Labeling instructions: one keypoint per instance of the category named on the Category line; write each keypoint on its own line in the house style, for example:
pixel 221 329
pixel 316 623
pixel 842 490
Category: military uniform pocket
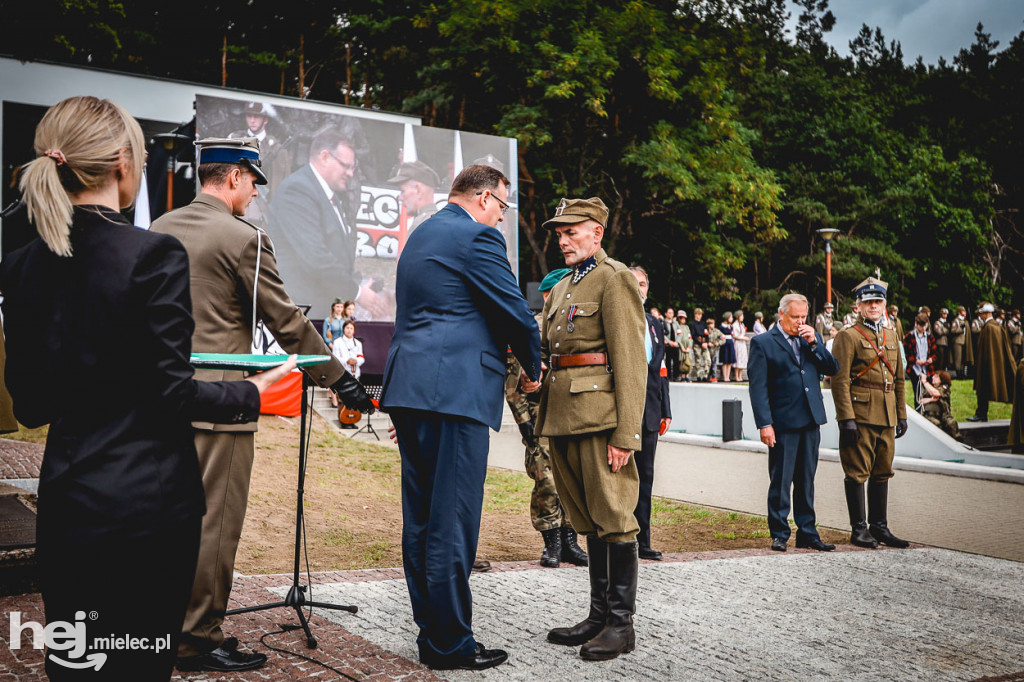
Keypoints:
pixel 861 400
pixel 592 402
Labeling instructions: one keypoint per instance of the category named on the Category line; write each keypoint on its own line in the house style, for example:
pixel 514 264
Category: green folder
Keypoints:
pixel 249 363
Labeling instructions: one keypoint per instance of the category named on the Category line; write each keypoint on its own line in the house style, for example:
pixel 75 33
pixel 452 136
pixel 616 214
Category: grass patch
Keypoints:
pixel 29 435
pixel 964 401
pixel 507 491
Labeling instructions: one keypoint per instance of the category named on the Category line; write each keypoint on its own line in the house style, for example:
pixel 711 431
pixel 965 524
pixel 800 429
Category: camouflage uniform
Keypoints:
pixel 545 508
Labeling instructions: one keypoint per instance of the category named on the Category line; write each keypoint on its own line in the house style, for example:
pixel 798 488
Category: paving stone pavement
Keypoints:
pixel 859 615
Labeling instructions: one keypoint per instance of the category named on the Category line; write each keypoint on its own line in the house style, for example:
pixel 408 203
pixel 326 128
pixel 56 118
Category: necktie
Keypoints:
pixel 795 343
pixel 336 203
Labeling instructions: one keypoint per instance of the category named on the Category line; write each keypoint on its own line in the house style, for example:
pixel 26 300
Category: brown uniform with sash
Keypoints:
pixel 222 251
pixel 593 395
pixel 868 388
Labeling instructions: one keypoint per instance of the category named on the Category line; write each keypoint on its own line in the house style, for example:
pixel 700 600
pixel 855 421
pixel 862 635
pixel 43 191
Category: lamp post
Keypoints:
pixel 172 143
pixel 827 234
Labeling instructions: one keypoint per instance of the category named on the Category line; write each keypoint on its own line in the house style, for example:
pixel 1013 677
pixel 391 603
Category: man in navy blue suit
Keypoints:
pixel 657 417
pixel 785 392
pixel 459 308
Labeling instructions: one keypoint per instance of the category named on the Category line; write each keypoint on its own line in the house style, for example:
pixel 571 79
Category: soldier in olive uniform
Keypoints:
pixel 958 336
pixel 941 331
pixel 870 403
pixel 591 408
pixel 545 508
pixel 1016 333
pixel 823 322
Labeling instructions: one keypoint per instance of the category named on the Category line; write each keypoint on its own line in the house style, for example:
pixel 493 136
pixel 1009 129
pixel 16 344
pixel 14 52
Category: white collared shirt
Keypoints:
pixel 330 194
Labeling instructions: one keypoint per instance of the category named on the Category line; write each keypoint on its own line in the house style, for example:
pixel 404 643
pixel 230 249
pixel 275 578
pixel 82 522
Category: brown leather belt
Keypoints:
pixel 884 388
pixel 578 360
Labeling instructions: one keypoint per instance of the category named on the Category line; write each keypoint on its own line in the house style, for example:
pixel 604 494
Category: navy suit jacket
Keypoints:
pixel 784 393
pixel 657 406
pixel 459 308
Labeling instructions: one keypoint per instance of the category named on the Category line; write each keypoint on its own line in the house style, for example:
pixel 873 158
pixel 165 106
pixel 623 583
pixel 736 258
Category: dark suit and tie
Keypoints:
pixel 656 408
pixel 785 394
pixel 314 234
pixel 459 307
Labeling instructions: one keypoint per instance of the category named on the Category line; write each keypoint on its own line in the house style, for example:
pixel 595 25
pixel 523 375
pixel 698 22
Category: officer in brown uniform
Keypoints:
pixel 870 404
pixel 591 408
pixel 225 254
pixel 546 511
pixel 959 336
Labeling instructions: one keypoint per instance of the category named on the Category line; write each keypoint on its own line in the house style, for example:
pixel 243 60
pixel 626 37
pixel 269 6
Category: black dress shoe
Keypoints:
pixel 650 554
pixel 814 543
pixel 481 566
pixel 778 545
pixel 225 658
pixel 976 418
pixel 480 659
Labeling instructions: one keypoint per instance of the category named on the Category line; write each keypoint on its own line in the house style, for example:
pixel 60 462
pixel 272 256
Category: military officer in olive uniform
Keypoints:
pixel 226 253
pixel 546 511
pixel 823 322
pixel 870 409
pixel 591 408
pixel 941 330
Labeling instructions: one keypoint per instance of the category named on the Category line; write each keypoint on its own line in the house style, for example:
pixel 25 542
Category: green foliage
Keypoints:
pixel 720 142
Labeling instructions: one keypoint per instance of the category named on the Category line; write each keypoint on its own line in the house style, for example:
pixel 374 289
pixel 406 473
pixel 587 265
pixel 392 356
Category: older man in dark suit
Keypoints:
pixel 459 309
pixel 657 417
pixel 785 394
pixel 313 225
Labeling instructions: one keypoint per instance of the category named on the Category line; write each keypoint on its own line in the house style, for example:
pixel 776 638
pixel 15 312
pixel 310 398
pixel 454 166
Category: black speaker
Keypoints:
pixel 732 420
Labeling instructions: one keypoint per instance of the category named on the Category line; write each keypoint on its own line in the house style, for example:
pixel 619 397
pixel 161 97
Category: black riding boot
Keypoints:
pixel 878 502
pixel 617 636
pixel 571 551
pixel 859 536
pixel 585 630
pixel 552 548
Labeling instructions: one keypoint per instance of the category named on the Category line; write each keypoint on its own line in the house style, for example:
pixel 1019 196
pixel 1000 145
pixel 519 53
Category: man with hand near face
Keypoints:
pixel 871 408
pixel 591 409
pixel 785 394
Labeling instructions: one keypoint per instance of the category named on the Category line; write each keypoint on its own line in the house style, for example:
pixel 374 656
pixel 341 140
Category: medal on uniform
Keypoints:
pixel 572 313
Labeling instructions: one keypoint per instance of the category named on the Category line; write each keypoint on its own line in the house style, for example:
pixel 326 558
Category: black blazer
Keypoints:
pixel 315 256
pixel 98 347
pixel 658 406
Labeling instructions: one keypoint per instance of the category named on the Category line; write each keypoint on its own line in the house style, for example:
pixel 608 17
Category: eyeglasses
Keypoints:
pixel 345 166
pixel 504 205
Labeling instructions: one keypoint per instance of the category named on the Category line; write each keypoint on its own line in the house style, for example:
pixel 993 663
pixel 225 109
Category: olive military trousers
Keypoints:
pixel 871 456
pixel 225 461
pixel 595 499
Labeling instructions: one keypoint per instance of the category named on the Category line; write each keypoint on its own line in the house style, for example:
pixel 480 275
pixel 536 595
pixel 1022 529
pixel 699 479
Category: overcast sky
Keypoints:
pixel 929 28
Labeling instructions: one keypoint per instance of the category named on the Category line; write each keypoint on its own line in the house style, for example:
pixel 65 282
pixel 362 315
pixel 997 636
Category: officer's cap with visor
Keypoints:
pixel 871 289
pixel 244 151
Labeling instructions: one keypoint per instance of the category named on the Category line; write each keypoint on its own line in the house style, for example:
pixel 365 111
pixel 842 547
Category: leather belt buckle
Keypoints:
pixel 888 386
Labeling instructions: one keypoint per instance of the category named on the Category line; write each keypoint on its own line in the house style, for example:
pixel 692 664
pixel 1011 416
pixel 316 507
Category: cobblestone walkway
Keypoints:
pixel 860 615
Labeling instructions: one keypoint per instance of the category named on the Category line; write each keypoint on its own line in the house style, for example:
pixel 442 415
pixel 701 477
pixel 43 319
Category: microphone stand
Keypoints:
pixel 296 598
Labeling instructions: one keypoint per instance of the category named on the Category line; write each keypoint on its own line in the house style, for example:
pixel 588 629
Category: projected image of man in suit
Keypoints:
pixel 313 225
pixel 785 394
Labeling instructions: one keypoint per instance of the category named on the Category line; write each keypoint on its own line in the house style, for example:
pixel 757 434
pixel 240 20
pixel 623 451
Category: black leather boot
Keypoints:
pixel 859 536
pixel 585 630
pixel 552 553
pixel 617 636
pixel 878 502
pixel 571 551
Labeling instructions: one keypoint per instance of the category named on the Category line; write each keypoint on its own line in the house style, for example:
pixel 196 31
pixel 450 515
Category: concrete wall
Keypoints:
pixel 697 409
